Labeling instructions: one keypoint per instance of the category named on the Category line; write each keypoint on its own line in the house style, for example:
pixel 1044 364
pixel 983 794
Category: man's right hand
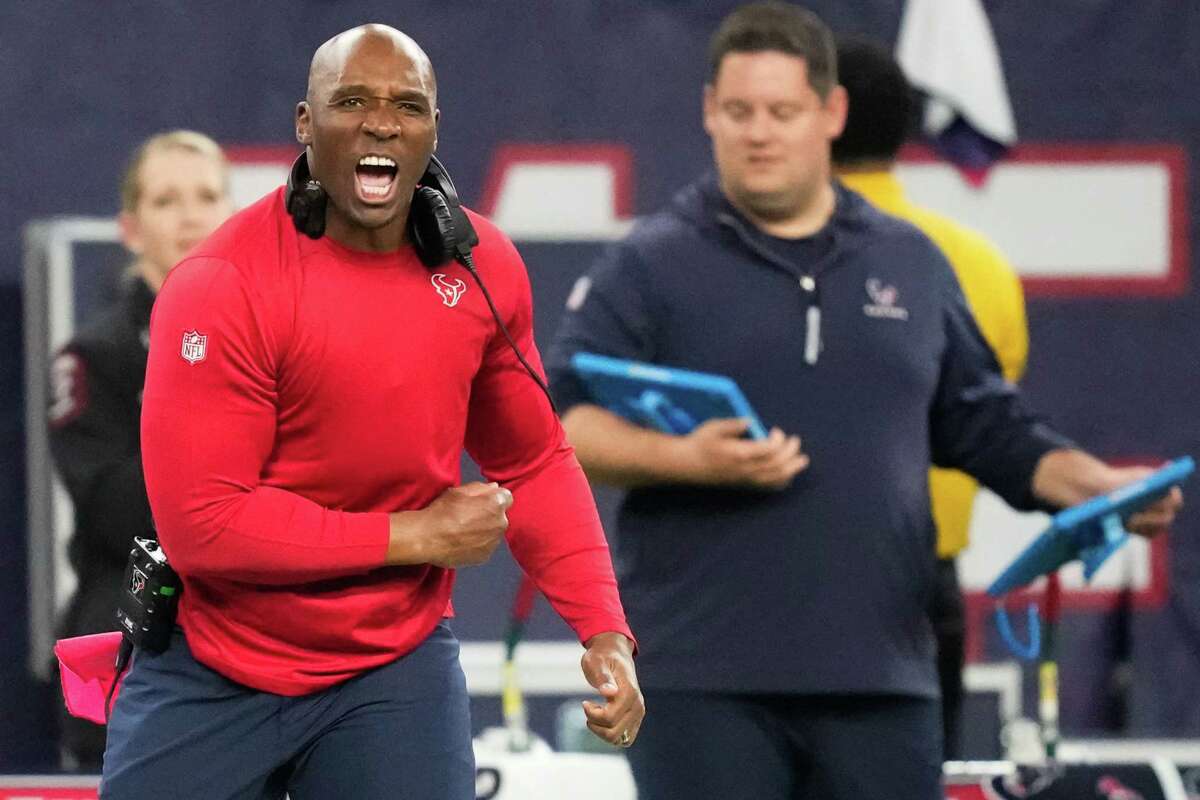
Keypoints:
pixel 716 453
pixel 461 528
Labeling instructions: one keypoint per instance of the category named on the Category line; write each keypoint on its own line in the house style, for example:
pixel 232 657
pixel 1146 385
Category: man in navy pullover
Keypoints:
pixel 780 591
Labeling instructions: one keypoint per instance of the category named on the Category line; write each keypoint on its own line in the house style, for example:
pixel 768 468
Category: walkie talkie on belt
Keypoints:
pixel 150 597
pixel 146 611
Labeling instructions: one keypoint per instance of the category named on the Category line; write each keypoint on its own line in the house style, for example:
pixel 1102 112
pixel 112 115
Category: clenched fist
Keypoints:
pixel 461 528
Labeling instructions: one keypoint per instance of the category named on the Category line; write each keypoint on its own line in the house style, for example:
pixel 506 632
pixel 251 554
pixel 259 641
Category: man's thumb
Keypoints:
pixel 602 678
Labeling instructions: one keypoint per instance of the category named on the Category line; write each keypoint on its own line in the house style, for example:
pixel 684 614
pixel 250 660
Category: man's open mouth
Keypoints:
pixel 375 179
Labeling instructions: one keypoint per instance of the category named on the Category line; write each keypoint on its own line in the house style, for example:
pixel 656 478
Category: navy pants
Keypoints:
pixel 403 730
pixel 786 747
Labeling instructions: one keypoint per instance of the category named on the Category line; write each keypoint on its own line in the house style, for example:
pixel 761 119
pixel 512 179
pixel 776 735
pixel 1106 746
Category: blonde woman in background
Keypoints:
pixel 174 193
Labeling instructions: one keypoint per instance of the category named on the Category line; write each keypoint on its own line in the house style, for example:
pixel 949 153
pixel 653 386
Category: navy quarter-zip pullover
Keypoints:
pixel 859 341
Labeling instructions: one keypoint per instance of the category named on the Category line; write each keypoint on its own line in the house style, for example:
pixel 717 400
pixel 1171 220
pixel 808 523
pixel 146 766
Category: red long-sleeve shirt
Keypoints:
pixel 298 391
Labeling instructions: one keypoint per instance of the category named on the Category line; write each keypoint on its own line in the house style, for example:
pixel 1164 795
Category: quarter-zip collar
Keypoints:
pixel 706 206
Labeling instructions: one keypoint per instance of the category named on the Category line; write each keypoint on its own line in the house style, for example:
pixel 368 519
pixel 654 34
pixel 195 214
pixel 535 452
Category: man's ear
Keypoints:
pixel 837 105
pixel 708 107
pixel 303 124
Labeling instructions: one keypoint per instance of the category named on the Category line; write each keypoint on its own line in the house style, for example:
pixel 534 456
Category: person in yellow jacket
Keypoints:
pixel 881 110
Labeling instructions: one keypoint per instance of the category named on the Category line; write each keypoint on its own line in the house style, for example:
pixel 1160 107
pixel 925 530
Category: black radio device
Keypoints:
pixel 149 598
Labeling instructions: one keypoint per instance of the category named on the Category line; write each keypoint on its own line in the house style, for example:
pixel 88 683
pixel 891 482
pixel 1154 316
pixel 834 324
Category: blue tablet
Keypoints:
pixel 665 398
pixel 1090 531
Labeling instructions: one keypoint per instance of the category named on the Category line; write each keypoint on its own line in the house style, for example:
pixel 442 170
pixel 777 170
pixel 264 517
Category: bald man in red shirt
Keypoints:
pixel 306 403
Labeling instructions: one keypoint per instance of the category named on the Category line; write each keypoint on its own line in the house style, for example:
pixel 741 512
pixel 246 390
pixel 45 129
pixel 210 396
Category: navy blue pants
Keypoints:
pixel 783 747
pixel 403 730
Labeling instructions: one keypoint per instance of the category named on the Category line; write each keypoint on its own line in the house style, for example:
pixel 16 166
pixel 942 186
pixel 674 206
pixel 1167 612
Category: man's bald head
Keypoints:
pixel 329 61
pixel 371 93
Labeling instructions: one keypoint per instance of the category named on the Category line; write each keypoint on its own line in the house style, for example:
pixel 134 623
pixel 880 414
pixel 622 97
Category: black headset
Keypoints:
pixel 438 227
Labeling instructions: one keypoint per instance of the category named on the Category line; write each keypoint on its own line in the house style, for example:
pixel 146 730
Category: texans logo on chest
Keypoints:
pixel 451 290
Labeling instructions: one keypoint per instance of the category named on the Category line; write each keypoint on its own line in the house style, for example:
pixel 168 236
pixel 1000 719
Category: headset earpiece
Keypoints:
pixel 437 225
pixel 431 227
pixel 305 199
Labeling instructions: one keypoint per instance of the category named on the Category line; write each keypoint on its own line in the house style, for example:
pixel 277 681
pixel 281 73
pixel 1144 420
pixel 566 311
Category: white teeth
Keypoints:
pixel 375 190
pixel 376 161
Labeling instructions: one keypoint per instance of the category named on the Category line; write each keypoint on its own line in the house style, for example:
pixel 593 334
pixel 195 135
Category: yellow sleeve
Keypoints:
pixel 1011 343
pixel 993 291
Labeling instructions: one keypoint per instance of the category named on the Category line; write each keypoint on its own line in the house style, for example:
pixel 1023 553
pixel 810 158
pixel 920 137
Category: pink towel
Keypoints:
pixel 87 666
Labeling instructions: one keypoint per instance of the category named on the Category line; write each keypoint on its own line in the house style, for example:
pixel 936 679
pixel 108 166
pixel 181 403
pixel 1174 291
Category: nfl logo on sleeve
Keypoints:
pixel 195 346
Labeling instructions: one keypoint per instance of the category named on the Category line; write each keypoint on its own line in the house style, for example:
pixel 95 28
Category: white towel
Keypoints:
pixel 946 48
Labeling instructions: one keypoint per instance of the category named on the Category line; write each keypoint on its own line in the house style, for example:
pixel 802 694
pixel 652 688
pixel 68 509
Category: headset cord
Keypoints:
pixel 468 262
pixel 123 654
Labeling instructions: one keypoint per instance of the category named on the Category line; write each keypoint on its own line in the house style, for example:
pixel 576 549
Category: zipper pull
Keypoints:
pixel 812 320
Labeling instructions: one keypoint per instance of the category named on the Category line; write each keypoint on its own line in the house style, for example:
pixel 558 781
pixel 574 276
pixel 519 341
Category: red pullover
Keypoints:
pixel 298 391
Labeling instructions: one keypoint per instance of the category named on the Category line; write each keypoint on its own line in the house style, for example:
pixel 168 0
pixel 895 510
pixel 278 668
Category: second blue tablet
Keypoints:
pixel 1090 531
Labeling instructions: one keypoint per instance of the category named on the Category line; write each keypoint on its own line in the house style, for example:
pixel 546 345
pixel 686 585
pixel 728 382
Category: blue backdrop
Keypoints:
pixel 81 83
